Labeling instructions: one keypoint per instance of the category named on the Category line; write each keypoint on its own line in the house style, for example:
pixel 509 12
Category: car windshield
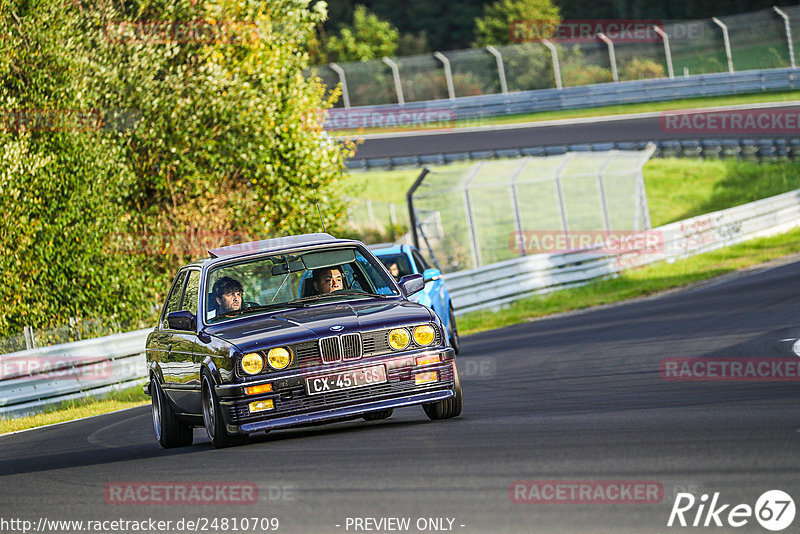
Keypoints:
pixel 293 280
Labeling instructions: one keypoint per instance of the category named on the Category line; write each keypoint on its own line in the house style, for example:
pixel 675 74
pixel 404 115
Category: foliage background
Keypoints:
pixel 198 143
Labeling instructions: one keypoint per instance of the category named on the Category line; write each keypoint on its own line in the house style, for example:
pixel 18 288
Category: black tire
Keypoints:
pixel 213 420
pixel 448 408
pixel 170 430
pixel 377 416
pixel 455 341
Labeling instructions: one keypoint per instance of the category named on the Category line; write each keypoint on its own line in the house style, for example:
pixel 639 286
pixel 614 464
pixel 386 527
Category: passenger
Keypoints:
pixel 328 280
pixel 394 270
pixel 228 295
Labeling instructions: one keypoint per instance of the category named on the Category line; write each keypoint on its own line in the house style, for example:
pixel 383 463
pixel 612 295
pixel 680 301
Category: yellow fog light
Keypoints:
pixel 424 334
pixel 252 363
pixel 426 378
pixel 263 388
pixel 279 358
pixel 260 406
pixel 399 338
pixel 427 360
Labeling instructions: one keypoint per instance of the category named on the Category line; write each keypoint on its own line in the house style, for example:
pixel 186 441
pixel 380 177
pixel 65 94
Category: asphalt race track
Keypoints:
pixel 574 398
pixel 645 127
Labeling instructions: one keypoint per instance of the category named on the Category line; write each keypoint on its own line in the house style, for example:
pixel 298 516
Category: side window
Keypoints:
pixel 192 292
pixel 174 299
pixel 421 263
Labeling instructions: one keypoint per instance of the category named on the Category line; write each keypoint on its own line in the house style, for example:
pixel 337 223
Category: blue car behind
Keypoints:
pixel 409 260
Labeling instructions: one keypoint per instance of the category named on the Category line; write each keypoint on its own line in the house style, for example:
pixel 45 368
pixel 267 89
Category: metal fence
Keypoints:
pixel 493 286
pixel 473 217
pixel 367 214
pixel 763 39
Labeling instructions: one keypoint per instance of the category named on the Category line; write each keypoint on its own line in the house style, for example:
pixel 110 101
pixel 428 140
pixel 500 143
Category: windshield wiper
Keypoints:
pixel 277 306
pixel 340 293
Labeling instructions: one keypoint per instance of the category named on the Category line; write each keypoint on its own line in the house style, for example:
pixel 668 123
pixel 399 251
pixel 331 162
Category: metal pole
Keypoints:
pixel 392 214
pixel 515 207
pixel 501 70
pixel 788 33
pixel 343 80
pixel 556 63
pixel 473 231
pixel 412 217
pixel 562 208
pixel 727 42
pixel 612 56
pixel 602 191
pixel 448 74
pixel 30 341
pixel 667 50
pixel 396 75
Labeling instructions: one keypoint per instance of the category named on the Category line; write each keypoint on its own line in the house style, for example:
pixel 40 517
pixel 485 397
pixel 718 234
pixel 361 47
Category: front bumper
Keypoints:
pixel 293 405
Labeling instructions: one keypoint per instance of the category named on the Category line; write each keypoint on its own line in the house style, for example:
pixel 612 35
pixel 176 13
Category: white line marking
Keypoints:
pixel 564 122
pixel 796 347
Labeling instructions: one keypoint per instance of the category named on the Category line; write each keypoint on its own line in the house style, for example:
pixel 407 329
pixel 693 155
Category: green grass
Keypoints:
pixel 68 411
pixel 624 109
pixel 638 283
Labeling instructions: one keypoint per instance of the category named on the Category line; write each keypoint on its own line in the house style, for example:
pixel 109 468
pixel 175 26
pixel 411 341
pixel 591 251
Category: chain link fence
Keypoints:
pixel 489 212
pixel 757 40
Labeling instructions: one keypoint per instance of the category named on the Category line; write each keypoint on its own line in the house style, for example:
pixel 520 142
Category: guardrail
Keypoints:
pixel 597 95
pixel 502 283
pixel 768 149
pixel 31 380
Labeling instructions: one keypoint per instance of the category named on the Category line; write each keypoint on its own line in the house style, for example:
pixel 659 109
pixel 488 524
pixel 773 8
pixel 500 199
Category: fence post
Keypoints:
pixel 612 56
pixel 515 207
pixel 75 328
pixel 727 42
pixel 30 341
pixel 667 50
pixel 556 63
pixel 471 229
pixel 343 80
pixel 788 27
pixel 562 208
pixel 602 191
pixel 370 213
pixel 501 70
pixel 398 87
pixel 448 74
pixel 412 216
pixel 392 214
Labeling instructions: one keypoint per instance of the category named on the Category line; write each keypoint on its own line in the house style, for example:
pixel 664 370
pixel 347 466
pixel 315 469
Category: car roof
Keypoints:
pixel 275 245
pixel 383 249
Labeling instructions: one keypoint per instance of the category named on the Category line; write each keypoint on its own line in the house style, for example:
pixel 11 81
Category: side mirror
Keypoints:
pixel 412 283
pixel 182 320
pixel 431 274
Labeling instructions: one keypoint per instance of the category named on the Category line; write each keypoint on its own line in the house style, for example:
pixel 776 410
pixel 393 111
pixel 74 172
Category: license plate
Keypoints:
pixel 365 376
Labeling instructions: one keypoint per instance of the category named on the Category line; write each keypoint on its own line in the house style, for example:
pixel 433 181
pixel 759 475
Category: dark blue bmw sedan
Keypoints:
pixel 293 331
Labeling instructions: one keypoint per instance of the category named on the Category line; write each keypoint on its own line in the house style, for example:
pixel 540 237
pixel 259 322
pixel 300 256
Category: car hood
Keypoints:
pixel 300 324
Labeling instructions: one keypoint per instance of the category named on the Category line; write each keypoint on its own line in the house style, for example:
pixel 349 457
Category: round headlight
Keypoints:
pixel 399 338
pixel 424 334
pixel 252 363
pixel 279 358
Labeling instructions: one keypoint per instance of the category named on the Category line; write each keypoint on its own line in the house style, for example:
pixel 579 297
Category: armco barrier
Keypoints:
pixel 501 283
pixel 31 380
pixel 597 95
pixel 770 149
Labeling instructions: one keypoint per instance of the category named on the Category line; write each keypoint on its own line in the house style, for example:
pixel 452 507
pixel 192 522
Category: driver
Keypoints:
pixel 228 295
pixel 328 280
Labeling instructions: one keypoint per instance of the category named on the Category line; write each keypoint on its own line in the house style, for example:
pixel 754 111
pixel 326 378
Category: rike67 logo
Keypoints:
pixel 774 510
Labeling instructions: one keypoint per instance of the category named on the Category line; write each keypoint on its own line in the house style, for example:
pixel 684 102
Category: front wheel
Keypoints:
pixel 455 341
pixel 213 420
pixel 448 408
pixel 170 430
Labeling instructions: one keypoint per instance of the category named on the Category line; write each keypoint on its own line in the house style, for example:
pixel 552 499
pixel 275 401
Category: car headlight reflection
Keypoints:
pixel 252 363
pixel 399 338
pixel 424 335
pixel 279 358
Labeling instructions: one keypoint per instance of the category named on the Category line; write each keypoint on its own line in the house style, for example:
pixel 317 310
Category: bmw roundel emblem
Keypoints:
pixel 337 328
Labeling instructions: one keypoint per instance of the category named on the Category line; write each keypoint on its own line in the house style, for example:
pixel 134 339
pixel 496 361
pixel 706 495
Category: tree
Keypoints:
pixel 368 38
pixel 495 26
